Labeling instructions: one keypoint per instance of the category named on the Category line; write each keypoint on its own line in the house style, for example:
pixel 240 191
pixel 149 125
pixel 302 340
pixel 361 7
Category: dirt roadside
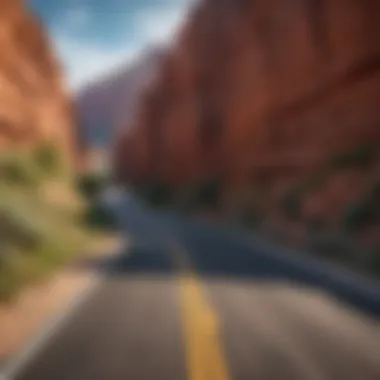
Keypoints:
pixel 21 320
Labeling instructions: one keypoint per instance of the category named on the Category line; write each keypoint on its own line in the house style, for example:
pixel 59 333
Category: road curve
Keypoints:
pixel 190 302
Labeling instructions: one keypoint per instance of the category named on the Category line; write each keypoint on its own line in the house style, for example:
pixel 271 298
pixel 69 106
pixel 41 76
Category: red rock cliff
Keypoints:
pixel 33 104
pixel 257 88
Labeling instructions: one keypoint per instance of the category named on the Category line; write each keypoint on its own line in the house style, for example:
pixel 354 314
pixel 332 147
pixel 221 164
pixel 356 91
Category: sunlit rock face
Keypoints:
pixel 34 105
pixel 259 89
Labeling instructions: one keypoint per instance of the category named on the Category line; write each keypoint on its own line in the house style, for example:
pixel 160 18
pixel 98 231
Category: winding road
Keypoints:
pixel 193 302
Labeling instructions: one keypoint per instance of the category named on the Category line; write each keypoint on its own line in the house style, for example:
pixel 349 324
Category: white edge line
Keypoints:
pixel 36 344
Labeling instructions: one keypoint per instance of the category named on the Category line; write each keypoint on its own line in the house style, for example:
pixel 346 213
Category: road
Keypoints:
pixel 189 301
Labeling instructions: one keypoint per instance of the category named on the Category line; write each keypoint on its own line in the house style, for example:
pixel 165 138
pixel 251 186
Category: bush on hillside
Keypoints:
pixel 155 193
pixel 36 237
pixel 21 241
pixel 48 158
pixel 364 212
pixel 10 280
pixel 17 232
pixel 208 193
pixel 204 196
pixel 250 217
pixel 90 185
pixel 361 214
pixel 100 217
pixel 375 265
pixel 334 246
pixel 19 170
pixel 292 203
pixel 375 192
pixel 362 156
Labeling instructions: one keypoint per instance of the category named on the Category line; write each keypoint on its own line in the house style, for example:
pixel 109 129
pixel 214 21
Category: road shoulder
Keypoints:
pixel 25 320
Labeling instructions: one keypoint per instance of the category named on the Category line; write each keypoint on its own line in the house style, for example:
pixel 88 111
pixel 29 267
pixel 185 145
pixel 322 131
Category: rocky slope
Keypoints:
pixel 110 102
pixel 34 106
pixel 268 95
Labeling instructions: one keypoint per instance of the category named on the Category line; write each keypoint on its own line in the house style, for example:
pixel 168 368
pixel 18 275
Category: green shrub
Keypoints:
pixel 156 193
pixel 365 212
pixel 362 156
pixel 90 185
pixel 375 191
pixel 48 158
pixel 361 214
pixel 250 217
pixel 209 193
pixel 20 243
pixel 35 237
pixel 16 231
pixel 10 280
pixel 99 217
pixel 204 196
pixel 19 170
pixel 333 246
pixel 292 203
pixel 375 265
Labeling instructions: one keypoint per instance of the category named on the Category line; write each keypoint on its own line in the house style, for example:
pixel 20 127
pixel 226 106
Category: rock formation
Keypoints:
pixel 260 90
pixel 34 106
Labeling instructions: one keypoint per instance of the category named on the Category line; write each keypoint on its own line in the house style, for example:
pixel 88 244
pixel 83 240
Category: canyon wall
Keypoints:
pixel 259 90
pixel 34 105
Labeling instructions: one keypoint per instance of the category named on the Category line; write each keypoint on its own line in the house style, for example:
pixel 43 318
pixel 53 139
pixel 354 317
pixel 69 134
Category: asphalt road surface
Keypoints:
pixel 188 301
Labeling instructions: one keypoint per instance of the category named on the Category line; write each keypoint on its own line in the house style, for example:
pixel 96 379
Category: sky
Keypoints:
pixel 93 36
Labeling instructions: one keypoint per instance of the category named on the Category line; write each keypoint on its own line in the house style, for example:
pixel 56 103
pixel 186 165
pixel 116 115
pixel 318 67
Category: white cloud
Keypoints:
pixel 160 25
pixel 83 62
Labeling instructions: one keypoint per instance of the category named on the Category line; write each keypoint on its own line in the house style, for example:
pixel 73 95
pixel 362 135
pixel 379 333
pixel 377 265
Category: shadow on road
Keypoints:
pixel 138 259
pixel 215 253
pixel 225 262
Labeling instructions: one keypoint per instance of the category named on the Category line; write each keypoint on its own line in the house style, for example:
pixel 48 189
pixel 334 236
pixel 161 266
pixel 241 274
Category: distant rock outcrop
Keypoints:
pixel 110 102
pixel 260 89
pixel 34 106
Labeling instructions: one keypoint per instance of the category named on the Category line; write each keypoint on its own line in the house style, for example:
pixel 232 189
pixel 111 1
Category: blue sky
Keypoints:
pixel 93 36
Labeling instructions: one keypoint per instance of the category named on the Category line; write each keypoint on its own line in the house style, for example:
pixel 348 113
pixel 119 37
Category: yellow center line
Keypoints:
pixel 204 350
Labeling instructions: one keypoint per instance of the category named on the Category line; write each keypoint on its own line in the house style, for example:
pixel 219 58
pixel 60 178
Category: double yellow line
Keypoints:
pixel 201 331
